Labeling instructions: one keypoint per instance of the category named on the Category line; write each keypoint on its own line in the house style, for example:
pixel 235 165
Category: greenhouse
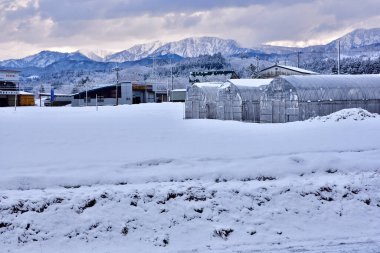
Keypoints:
pixel 293 98
pixel 201 100
pixel 239 99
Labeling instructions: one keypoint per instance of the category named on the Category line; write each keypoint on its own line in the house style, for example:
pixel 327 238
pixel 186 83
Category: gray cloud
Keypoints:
pixel 31 25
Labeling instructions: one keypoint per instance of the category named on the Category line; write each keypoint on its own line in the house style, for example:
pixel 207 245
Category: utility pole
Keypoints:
pixel 298 59
pixel 338 57
pixel 86 96
pixel 257 65
pixel 96 97
pixel 117 69
pixel 171 73
pixel 153 66
pixel 16 96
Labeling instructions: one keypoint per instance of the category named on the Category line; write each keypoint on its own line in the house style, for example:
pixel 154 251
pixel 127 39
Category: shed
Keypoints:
pixel 178 95
pixel 201 100
pixel 239 99
pixel 292 98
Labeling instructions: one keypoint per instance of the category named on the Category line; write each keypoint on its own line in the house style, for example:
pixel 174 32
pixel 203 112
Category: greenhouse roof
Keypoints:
pixel 333 81
pixel 331 87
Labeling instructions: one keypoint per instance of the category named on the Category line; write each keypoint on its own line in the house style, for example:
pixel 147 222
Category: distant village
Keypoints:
pixel 276 94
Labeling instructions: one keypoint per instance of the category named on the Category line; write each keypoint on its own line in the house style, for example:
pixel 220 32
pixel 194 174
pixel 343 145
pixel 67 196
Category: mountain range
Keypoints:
pixel 361 40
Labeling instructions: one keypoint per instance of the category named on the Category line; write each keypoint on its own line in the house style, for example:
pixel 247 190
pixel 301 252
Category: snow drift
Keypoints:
pixel 347 114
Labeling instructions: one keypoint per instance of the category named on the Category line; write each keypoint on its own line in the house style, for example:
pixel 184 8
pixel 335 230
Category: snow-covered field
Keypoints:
pixel 141 179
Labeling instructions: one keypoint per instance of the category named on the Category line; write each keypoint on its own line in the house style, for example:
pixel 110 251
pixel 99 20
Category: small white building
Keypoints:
pixel 178 95
pixel 282 70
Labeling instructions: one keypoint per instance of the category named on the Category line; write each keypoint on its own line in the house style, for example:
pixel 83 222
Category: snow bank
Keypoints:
pixel 346 114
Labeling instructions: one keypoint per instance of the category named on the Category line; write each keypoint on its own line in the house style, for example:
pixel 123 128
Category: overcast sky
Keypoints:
pixel 29 26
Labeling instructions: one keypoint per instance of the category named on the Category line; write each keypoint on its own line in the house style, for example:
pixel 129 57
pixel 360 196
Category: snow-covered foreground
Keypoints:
pixel 141 179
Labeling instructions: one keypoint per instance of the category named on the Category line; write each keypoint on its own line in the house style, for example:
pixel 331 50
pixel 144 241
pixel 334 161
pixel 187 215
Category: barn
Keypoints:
pixel 239 99
pixel 278 70
pixel 293 98
pixel 201 100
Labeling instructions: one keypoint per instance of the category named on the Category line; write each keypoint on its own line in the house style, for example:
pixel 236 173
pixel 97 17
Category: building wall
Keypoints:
pixel 22 100
pixel 9 76
pixel 26 100
pixel 178 96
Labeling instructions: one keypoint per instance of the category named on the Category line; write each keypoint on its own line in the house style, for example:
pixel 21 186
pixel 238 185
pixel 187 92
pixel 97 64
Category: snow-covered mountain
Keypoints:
pixel 193 47
pixel 43 59
pixel 366 40
pixel 358 38
pixel 190 47
pixel 95 55
pixel 135 53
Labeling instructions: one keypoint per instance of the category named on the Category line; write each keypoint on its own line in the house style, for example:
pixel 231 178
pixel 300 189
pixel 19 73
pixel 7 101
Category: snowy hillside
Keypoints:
pixel 135 53
pixel 95 55
pixel 358 38
pixel 193 47
pixel 190 47
pixel 141 179
pixel 43 59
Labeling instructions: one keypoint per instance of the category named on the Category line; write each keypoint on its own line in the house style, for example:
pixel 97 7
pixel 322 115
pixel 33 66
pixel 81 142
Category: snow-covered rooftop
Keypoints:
pixel 299 70
pixel 208 84
pixel 25 93
pixel 250 82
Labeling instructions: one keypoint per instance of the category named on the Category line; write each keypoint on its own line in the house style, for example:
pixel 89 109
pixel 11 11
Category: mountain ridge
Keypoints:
pixel 193 47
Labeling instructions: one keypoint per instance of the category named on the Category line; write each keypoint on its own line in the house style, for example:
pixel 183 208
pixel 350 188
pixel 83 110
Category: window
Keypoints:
pixel 101 99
